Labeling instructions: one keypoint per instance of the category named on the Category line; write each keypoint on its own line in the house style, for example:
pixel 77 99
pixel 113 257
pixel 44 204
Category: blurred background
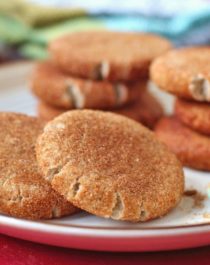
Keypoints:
pixel 27 26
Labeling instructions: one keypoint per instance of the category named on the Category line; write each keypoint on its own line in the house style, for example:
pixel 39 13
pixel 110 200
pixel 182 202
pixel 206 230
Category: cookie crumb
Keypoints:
pixel 190 192
pixel 198 200
pixel 197 197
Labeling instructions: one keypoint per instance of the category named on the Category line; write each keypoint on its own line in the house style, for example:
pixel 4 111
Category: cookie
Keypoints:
pixel 184 72
pixel 146 110
pixel 23 191
pixel 107 55
pixel 195 115
pixel 192 148
pixel 61 90
pixel 109 165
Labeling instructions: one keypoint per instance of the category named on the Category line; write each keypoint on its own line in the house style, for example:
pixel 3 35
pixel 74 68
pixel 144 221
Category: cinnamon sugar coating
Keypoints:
pixel 184 72
pixel 109 165
pixel 146 110
pixel 23 191
pixel 192 148
pixel 107 55
pixel 195 115
pixel 62 90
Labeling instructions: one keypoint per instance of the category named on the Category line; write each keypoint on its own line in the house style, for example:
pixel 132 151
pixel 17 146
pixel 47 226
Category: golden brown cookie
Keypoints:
pixel 64 91
pixel 184 72
pixel 109 165
pixel 107 55
pixel 23 191
pixel 195 115
pixel 192 148
pixel 146 110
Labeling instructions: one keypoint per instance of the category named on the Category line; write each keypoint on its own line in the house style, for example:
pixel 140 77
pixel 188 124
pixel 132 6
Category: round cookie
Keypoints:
pixel 23 191
pixel 146 110
pixel 195 115
pixel 109 165
pixel 107 55
pixel 61 90
pixel 184 72
pixel 192 148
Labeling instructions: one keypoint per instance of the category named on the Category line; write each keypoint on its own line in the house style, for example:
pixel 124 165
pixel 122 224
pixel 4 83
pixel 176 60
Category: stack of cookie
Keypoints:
pixel 99 70
pixel 186 74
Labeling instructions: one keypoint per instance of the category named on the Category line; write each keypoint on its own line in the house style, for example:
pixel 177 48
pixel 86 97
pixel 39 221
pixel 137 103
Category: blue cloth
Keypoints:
pixel 185 29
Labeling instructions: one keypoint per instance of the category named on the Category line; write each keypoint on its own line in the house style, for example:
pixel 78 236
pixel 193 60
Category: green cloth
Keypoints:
pixel 12 30
pixel 35 15
pixel 33 51
pixel 31 27
pixel 45 34
pixel 35 46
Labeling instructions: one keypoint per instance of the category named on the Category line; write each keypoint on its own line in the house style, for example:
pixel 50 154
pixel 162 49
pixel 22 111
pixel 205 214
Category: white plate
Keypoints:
pixel 186 226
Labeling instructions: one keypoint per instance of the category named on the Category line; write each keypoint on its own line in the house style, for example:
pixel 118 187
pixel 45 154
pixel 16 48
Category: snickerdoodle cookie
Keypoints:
pixel 194 114
pixel 23 191
pixel 146 110
pixel 107 55
pixel 184 72
pixel 109 165
pixel 62 90
pixel 192 148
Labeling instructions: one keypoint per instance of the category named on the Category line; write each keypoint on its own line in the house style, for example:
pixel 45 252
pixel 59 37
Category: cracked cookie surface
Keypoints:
pixel 23 191
pixel 184 72
pixel 146 110
pixel 105 55
pixel 62 90
pixel 109 166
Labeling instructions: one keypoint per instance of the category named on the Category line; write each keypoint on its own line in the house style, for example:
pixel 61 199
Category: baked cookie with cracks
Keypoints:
pixel 24 193
pixel 106 55
pixel 109 165
pixel 184 72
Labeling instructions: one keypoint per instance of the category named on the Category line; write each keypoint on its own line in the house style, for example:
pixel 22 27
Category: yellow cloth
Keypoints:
pixel 37 15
